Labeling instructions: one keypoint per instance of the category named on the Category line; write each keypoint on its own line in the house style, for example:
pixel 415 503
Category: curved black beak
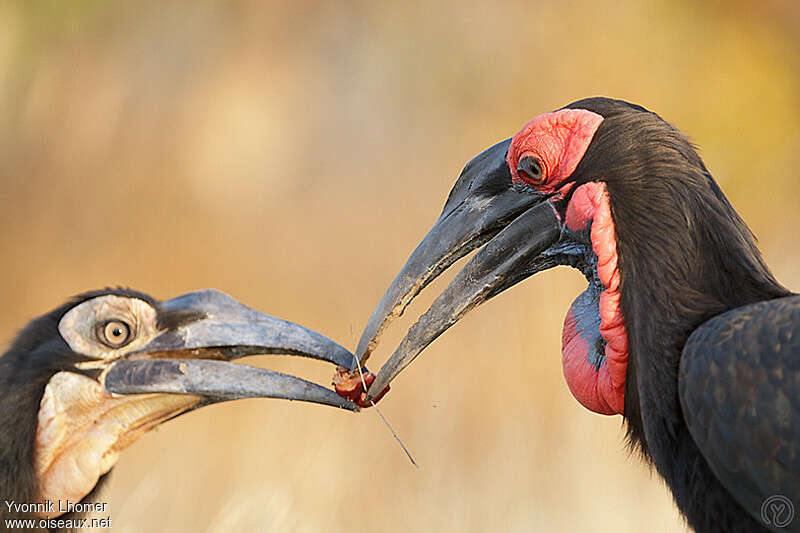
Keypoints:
pixel 202 331
pixel 484 207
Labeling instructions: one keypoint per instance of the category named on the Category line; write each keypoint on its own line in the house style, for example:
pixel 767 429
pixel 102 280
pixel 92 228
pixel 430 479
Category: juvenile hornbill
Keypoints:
pixel 84 381
pixel 682 330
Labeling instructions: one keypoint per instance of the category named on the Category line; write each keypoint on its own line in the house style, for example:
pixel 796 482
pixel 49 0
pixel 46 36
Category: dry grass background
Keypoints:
pixel 292 154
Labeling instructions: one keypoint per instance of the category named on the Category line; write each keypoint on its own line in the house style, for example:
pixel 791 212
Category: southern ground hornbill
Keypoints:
pixel 84 381
pixel 683 330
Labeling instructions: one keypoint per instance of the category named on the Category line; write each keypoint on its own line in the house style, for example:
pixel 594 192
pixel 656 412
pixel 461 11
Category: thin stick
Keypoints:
pixel 396 437
pixel 408 453
pixel 388 425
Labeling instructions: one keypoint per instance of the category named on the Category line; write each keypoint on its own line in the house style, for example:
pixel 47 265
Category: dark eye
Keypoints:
pixel 531 168
pixel 114 333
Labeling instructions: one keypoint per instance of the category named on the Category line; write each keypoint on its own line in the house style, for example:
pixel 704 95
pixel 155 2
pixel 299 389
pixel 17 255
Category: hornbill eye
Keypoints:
pixel 114 333
pixel 531 168
pixel 117 363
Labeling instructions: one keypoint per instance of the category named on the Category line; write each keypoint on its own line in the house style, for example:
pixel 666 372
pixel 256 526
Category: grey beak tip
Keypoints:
pixel 512 224
pixel 216 381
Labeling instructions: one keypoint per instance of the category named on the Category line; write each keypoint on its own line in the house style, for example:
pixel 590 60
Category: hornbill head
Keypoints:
pixel 606 187
pixel 86 380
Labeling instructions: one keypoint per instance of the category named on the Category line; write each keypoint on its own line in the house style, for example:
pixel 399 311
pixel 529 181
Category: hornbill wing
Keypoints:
pixel 739 388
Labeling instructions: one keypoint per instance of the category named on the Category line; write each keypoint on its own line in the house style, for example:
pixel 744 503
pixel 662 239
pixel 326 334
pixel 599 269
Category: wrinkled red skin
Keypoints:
pixel 559 141
pixel 349 386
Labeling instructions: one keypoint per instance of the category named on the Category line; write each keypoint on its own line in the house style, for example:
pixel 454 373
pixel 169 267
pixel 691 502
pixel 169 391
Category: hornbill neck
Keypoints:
pixel 25 370
pixel 615 191
pixel 16 447
pixel 685 256
pixel 18 480
pixel 37 354
pixel 86 380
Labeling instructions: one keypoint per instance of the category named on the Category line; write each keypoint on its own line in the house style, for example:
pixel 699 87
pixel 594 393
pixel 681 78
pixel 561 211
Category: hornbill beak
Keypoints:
pixel 202 332
pixel 515 223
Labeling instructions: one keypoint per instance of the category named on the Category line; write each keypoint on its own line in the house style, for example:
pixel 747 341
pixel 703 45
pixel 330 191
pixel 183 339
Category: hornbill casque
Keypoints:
pixel 84 381
pixel 682 330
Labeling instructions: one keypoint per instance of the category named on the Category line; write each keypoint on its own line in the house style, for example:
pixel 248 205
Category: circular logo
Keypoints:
pixel 777 511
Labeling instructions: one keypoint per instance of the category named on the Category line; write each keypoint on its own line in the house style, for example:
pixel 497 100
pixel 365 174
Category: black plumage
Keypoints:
pixel 685 256
pixel 37 354
pixel 738 383
pixel 84 381
pixel 688 269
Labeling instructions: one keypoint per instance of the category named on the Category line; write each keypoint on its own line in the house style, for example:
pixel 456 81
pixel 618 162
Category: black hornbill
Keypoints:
pixel 84 381
pixel 683 330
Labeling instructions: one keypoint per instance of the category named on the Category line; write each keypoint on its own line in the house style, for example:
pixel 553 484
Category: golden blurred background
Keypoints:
pixel 292 155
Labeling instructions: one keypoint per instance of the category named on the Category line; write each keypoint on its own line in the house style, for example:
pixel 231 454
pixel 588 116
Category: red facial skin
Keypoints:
pixel 559 141
pixel 349 386
pixel 600 390
pixel 587 384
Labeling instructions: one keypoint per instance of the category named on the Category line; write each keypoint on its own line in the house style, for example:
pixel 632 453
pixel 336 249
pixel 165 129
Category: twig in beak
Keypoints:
pixel 396 437
pixel 377 410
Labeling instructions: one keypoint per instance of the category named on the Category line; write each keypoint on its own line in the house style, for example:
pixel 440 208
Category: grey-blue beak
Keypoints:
pixel 201 332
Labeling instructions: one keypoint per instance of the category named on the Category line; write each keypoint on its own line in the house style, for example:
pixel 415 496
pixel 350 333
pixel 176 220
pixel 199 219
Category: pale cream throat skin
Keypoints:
pixel 82 428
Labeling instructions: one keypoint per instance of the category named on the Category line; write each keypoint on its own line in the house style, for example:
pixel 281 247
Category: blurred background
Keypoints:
pixel 292 154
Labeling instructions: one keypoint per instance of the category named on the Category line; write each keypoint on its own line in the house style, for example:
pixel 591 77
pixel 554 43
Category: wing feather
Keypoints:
pixel 739 387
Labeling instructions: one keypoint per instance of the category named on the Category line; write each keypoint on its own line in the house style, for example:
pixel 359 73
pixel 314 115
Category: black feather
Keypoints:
pixel 739 377
pixel 37 354
pixel 685 256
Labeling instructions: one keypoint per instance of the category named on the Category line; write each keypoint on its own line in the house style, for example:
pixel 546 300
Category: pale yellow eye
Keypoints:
pixel 115 333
